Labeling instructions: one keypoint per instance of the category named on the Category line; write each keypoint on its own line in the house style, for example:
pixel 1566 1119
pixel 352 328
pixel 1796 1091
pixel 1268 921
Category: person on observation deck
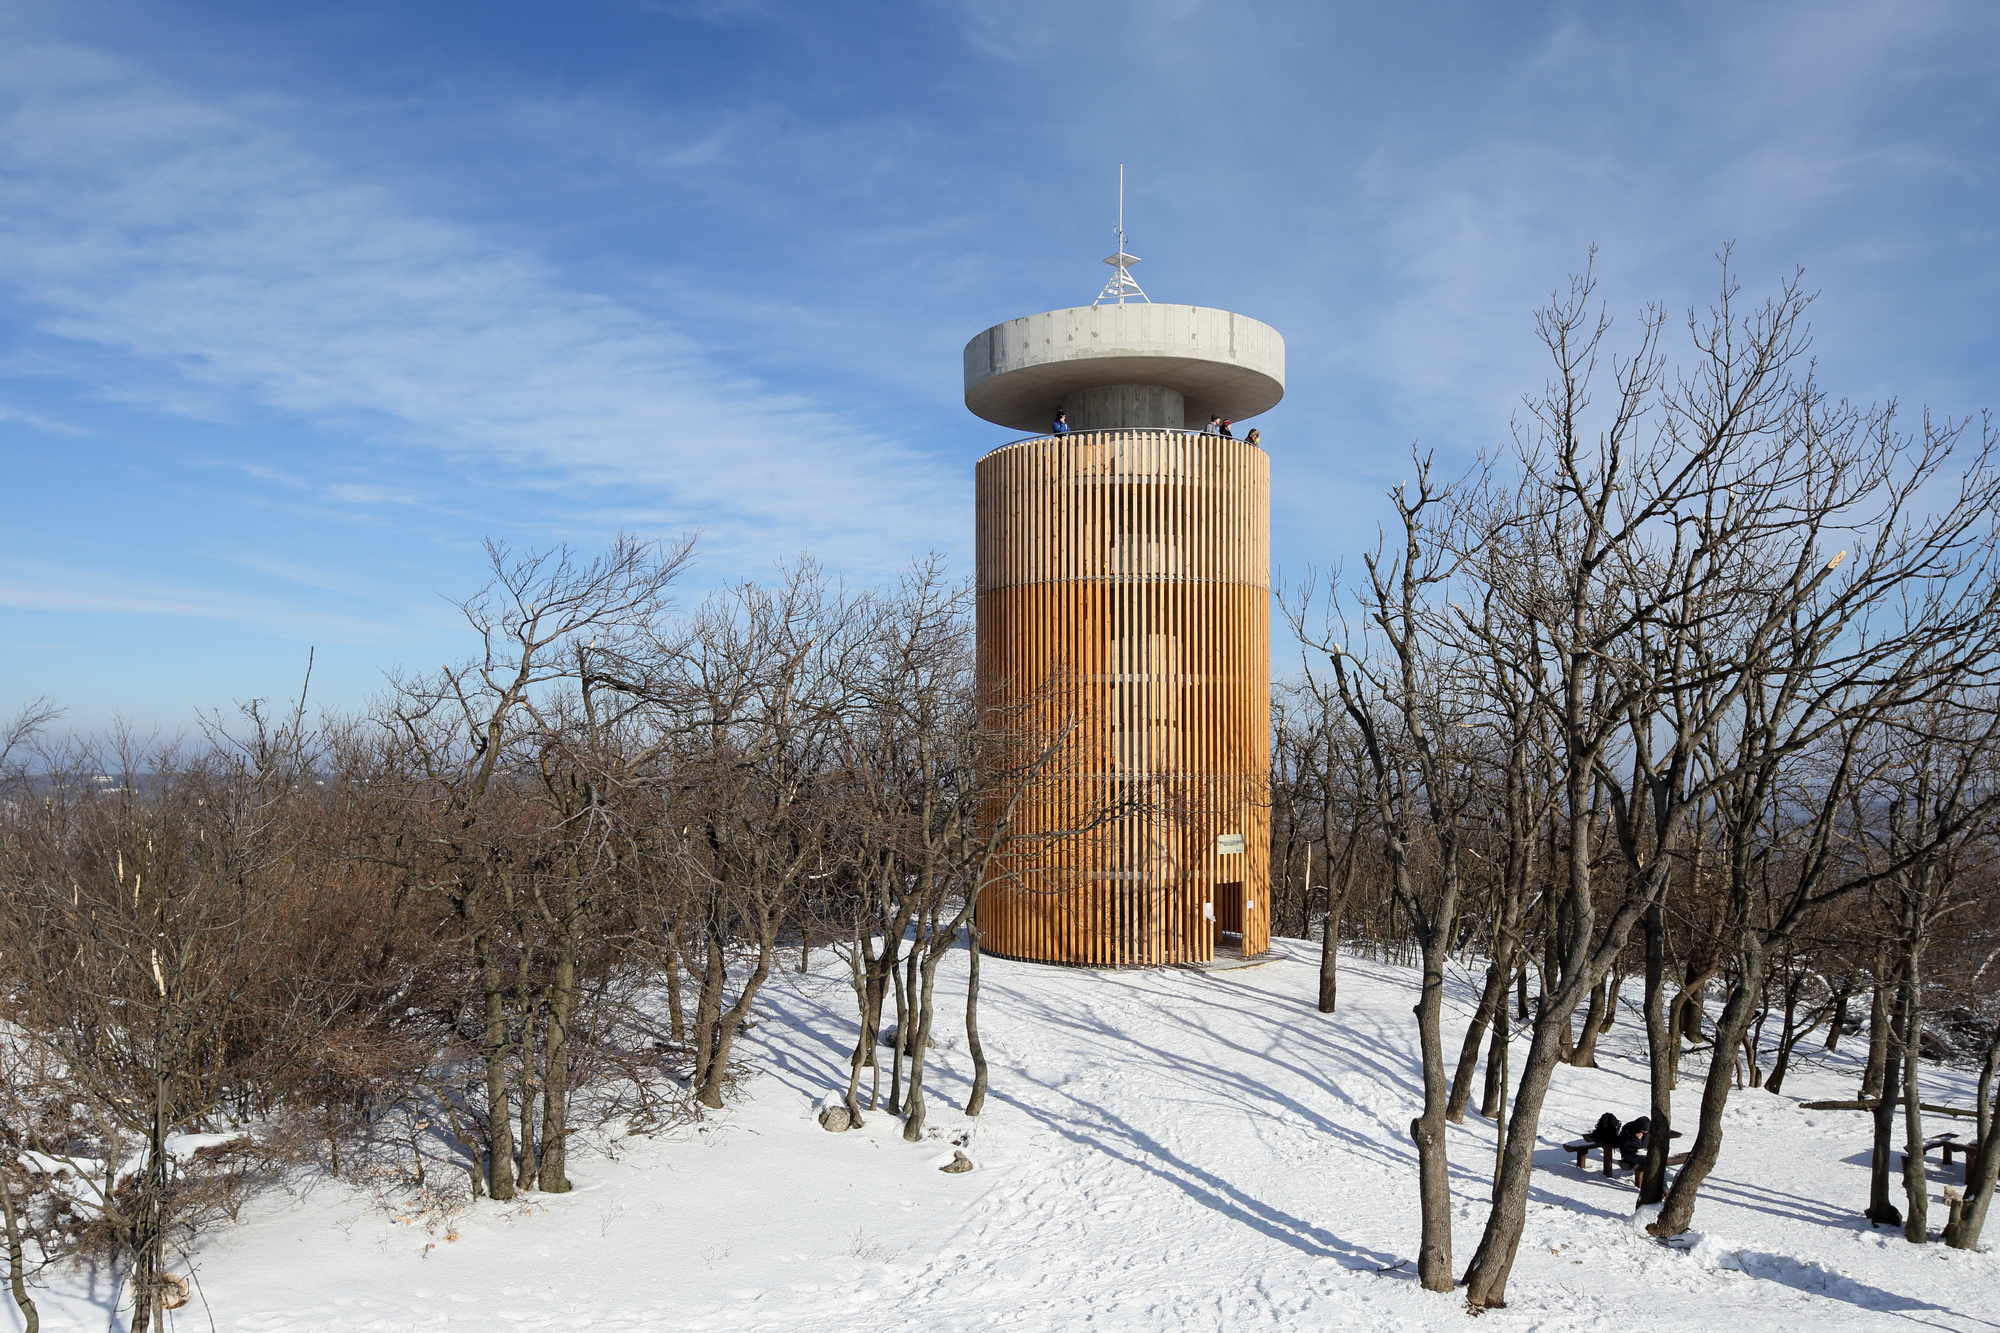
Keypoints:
pixel 1253 437
pixel 1225 431
pixel 1214 426
pixel 1061 426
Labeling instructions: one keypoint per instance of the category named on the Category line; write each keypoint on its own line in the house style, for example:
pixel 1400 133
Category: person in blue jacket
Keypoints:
pixel 1061 426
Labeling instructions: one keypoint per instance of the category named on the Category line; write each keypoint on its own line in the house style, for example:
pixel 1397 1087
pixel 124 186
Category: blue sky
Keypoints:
pixel 298 302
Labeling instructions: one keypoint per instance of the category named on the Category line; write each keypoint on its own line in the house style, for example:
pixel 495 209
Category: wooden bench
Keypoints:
pixel 1584 1147
pixel 1950 1146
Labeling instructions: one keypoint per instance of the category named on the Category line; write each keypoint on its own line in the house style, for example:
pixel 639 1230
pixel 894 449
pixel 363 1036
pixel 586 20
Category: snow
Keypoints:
pixel 180 1147
pixel 1161 1150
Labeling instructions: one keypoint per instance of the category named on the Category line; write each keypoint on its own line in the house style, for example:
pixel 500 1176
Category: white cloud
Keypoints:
pixel 32 586
pixel 36 421
pixel 214 260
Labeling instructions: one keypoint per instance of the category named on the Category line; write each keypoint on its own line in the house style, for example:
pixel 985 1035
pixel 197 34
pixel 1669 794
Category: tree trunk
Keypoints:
pixel 1434 1266
pixel 555 1073
pixel 913 1104
pixel 975 1101
pixel 1980 1173
pixel 1493 1095
pixel 1491 998
pixel 730 1020
pixel 1584 1056
pixel 676 1013
pixel 714 985
pixel 859 975
pixel 1889 1095
pixel 1878 1038
pixel 1329 955
pixel 530 1159
pixel 1660 1063
pixel 499 1129
pixel 1916 1187
pixel 1987 1070
pixel 1486 1278
pixel 1789 1034
pixel 1839 1018
pixel 1730 1028
pixel 905 1014
pixel 31 1319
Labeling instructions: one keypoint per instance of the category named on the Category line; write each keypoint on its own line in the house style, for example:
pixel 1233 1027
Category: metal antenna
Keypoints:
pixel 1122 284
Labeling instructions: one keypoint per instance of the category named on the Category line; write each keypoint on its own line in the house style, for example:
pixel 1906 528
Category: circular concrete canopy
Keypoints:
pixel 1228 365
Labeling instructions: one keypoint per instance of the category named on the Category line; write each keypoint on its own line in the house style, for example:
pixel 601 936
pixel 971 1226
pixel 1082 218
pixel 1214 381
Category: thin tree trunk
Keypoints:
pixel 1730 1028
pixel 1981 1172
pixel 1793 1035
pixel 1916 1187
pixel 1889 1094
pixel 1486 1277
pixel 913 1104
pixel 1491 998
pixel 904 1015
pixel 1839 1018
pixel 975 1102
pixel 730 1020
pixel 1878 1038
pixel 530 1167
pixel 1329 956
pixel 1660 1062
pixel 16 1266
pixel 714 985
pixel 499 1128
pixel 555 1073
pixel 1584 1056
pixel 1434 1265
pixel 1987 1070
pixel 1493 1096
pixel 499 1165
pixel 676 1013
pixel 864 1039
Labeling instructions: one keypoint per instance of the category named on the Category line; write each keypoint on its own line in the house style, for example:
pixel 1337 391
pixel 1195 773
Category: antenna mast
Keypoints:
pixel 1122 284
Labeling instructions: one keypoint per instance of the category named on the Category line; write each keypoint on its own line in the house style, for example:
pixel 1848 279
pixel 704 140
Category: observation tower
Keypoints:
pixel 1124 588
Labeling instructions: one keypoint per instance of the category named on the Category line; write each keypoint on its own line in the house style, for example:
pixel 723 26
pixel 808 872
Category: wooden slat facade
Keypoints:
pixel 1126 574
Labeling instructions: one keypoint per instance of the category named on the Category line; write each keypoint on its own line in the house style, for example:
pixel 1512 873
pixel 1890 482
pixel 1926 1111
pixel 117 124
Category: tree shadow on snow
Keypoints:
pixel 1233 1087
pixel 1818 1280
pixel 1204 1187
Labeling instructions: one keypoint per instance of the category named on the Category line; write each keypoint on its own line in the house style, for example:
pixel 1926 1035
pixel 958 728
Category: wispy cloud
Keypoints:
pixel 36 421
pixel 28 586
pixel 214 259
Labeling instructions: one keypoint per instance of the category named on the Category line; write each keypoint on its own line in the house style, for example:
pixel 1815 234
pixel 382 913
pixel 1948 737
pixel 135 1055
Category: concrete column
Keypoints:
pixel 1126 406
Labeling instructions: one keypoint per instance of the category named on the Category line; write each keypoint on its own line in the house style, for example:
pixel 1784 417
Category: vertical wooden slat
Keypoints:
pixel 1132 566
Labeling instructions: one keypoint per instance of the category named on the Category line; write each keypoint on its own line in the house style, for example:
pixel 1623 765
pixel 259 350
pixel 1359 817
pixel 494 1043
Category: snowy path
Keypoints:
pixel 1161 1150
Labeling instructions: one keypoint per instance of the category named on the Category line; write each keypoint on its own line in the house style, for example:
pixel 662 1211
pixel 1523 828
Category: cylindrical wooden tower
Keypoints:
pixel 1124 603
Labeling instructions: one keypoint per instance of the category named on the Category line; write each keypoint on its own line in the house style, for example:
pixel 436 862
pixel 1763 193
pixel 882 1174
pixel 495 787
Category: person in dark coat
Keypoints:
pixel 1225 432
pixel 1632 1140
pixel 1061 426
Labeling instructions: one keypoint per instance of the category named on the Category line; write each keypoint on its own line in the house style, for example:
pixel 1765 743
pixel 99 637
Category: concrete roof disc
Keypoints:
pixel 1224 364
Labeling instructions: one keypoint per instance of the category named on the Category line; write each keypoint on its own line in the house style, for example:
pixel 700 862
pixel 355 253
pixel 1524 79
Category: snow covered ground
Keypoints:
pixel 1161 1150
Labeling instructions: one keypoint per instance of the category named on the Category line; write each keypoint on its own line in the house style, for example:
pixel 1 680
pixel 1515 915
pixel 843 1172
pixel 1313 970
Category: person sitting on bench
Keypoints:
pixel 1632 1140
